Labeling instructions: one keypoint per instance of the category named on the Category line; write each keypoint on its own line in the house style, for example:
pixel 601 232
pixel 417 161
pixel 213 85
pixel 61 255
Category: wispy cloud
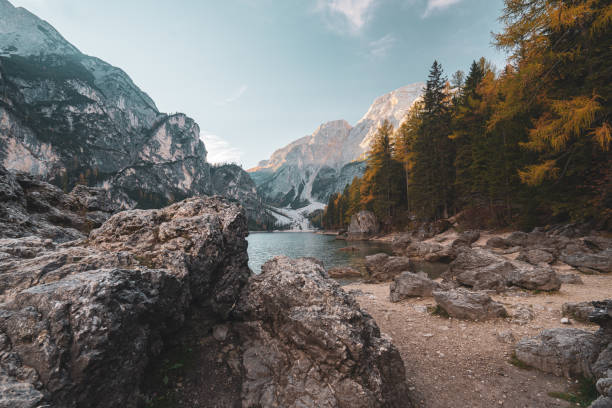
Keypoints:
pixel 380 48
pixel 434 5
pixel 233 97
pixel 346 15
pixel 220 150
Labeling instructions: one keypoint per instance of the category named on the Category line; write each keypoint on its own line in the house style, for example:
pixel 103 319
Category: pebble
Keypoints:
pixel 427 334
pixel 565 320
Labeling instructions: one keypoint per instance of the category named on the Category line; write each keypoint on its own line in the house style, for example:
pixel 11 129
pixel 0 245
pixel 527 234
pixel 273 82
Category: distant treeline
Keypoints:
pixel 525 146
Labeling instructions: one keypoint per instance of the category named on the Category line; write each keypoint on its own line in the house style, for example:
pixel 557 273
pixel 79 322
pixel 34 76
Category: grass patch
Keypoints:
pixel 518 363
pixel 582 394
pixel 437 311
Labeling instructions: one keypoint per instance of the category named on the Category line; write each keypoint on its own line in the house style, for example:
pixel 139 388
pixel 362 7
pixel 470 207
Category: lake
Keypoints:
pixel 265 245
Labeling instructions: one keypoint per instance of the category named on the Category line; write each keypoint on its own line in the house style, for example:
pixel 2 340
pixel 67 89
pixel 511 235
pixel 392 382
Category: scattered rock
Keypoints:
pixel 481 269
pixel 409 284
pixel 579 311
pixel 466 238
pixel 343 272
pixel 563 352
pixel 570 279
pixel 463 304
pixel 383 268
pixel 565 320
pixel 363 225
pixel 220 332
pixel 523 315
pixel 535 278
pixel 536 256
pixel 498 242
pixel 505 336
pixel 601 261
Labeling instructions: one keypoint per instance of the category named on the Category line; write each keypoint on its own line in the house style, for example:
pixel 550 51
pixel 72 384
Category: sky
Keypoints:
pixel 258 74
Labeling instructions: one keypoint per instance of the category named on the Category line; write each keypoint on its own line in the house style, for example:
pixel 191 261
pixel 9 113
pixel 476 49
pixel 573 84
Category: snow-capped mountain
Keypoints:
pixel 73 118
pixel 313 167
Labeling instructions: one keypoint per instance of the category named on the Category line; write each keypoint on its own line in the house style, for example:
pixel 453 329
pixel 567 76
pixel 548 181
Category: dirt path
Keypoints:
pixel 454 363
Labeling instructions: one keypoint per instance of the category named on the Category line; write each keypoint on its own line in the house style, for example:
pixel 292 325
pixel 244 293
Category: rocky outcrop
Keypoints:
pixel 79 322
pixel 409 284
pixel 307 343
pixel 575 352
pixel 383 268
pixel 464 304
pixel 29 206
pixel 363 225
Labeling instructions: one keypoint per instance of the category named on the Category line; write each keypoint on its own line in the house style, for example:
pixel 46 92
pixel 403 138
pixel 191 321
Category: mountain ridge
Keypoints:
pixel 311 168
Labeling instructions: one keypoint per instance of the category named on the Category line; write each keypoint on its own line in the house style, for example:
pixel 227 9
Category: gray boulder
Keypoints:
pixel 363 225
pixel 466 238
pixel 383 268
pixel 570 279
pixel 307 343
pixel 534 278
pixel 563 352
pixel 579 311
pixel 536 256
pixel 600 261
pixel 80 322
pixel 464 304
pixel 480 269
pixel 409 284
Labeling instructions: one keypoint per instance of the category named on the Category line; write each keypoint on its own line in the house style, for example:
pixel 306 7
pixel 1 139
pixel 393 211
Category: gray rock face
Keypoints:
pixel 463 304
pixel 363 225
pixel 536 256
pixel 307 343
pixel 466 238
pixel 71 118
pixel 480 269
pixel 79 322
pixel 409 284
pixel 570 279
pixel 579 311
pixel 562 352
pixel 383 268
pixel 575 352
pixel 600 261
pixel 29 206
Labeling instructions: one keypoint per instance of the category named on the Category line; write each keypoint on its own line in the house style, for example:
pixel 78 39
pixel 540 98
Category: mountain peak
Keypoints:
pixel 24 34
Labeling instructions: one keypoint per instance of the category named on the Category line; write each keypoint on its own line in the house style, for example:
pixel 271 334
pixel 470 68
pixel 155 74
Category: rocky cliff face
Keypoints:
pixel 72 118
pixel 313 167
pixel 81 322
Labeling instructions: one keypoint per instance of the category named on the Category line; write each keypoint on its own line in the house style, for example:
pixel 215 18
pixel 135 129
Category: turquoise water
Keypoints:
pixel 265 245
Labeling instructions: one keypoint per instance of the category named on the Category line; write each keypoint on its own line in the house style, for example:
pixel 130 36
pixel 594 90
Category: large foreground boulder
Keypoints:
pixel 307 344
pixel 80 322
pixel 409 284
pixel 383 268
pixel 464 304
pixel 363 225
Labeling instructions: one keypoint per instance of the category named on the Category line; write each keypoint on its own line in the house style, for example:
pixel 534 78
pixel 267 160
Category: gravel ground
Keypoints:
pixel 456 363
